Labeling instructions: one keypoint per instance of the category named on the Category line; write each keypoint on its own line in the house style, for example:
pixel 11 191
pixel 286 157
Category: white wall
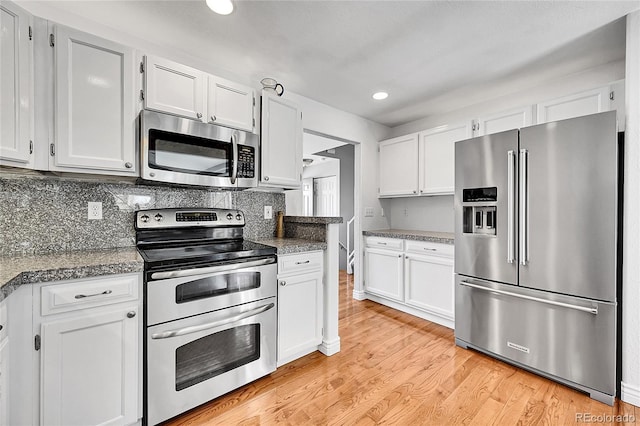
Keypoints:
pixel 631 240
pixel 322 168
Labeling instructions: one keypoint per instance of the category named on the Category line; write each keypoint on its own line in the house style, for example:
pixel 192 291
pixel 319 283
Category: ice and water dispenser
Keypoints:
pixel 479 210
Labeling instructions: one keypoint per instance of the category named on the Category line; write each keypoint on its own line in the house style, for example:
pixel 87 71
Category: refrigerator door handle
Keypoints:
pixel 511 207
pixel 524 207
pixel 592 310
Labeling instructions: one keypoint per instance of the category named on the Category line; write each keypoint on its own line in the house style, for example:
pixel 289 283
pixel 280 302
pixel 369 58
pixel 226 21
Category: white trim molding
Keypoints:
pixel 630 394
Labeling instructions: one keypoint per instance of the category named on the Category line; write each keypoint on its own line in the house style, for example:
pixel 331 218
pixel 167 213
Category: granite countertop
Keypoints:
pixel 19 270
pixel 325 220
pixel 293 245
pixel 407 234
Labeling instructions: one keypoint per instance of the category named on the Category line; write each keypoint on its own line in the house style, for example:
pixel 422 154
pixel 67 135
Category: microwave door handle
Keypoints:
pixel 234 171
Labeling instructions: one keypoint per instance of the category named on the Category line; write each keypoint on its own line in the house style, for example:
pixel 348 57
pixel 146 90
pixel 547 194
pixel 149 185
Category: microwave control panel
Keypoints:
pixel 246 161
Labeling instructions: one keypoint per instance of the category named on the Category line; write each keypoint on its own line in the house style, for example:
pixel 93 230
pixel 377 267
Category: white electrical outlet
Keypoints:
pixel 368 212
pixel 94 210
pixel 268 212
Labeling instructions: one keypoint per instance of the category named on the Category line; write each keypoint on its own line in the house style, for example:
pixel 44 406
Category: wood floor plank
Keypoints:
pixel 397 369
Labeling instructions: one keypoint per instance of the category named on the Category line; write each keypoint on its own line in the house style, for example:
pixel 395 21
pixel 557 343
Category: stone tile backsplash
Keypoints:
pixel 42 214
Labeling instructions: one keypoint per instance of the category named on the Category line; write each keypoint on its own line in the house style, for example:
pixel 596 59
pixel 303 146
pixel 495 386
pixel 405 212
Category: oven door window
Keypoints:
pixel 215 354
pixel 189 154
pixel 217 285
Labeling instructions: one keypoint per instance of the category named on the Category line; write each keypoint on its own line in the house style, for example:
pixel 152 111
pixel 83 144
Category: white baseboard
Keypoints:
pixel 330 348
pixel 630 394
pixel 359 295
pixel 438 319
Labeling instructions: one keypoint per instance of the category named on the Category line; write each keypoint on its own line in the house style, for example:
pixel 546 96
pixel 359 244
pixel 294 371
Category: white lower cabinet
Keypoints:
pixel 300 304
pixel 413 276
pixel 90 354
pixel 4 365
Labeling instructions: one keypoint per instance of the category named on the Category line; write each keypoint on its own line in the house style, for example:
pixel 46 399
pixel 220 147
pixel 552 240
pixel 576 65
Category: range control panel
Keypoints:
pixel 177 218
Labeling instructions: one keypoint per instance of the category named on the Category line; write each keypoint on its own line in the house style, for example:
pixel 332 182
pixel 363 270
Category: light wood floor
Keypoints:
pixel 394 368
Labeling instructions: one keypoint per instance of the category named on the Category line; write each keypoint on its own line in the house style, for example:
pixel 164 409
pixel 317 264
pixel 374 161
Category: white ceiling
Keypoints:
pixel 431 56
pixel 312 144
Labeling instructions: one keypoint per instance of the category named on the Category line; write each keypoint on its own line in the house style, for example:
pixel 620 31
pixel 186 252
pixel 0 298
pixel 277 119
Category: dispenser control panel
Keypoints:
pixel 479 210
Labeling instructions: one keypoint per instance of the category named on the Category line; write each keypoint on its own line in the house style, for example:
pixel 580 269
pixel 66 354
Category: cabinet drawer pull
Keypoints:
pixel 82 296
pixel 381 244
pixel 429 249
pixel 303 263
pixel 213 118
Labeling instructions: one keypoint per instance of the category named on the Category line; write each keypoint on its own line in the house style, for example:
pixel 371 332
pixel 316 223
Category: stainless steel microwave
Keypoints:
pixel 185 151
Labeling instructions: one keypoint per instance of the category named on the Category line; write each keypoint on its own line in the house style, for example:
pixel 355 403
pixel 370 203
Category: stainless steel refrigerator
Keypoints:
pixel 535 249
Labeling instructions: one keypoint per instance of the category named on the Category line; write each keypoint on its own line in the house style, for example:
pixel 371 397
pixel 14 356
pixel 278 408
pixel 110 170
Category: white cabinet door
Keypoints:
pixel 16 54
pixel 299 315
pixel 437 157
pixel 94 104
pixel 281 143
pixel 398 166
pixel 384 273
pixel 89 368
pixel 508 120
pixel 4 381
pixel 429 284
pixel 230 104
pixel 174 88
pixel 583 103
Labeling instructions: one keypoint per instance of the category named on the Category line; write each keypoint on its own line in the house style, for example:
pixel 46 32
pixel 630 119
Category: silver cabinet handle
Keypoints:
pixel 524 206
pixel 266 178
pixel 593 311
pixel 214 324
pixel 213 118
pixel 82 296
pixel 234 171
pixel 381 244
pixel 211 269
pixel 128 165
pixel 511 212
pixel 131 314
pixel 303 263
pixel 283 283
pixel 199 115
pixel 429 249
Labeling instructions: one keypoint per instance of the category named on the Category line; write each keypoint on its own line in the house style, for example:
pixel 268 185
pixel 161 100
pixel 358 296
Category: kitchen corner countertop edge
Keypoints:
pixel 324 220
pixel 406 234
pixel 33 269
pixel 293 245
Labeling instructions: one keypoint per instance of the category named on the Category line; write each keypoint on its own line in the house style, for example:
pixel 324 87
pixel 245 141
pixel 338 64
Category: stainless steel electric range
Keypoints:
pixel 210 304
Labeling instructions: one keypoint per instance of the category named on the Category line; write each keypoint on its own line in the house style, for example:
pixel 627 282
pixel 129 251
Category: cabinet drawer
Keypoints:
pixel 80 294
pixel 435 249
pixel 302 262
pixel 3 320
pixel 384 243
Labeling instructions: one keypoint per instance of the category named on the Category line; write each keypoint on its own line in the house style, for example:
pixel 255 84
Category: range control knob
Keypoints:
pixel 229 216
pixel 238 216
pixel 144 218
pixel 158 217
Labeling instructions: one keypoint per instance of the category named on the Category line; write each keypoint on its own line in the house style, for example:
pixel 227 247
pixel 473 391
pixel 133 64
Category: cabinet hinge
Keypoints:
pixel 30 147
pixel 52 40
pixel 254 101
pixel 142 95
pixel 36 342
pixel 254 122
pixel 300 115
pixel 30 33
pixel 52 150
pixel 474 127
pixel 322 332
pixel 612 95
pixel 378 149
pixel 141 67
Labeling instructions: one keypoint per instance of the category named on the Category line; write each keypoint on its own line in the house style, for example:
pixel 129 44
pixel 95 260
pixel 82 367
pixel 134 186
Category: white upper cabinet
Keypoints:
pixel 230 104
pixel 94 114
pixel 16 54
pixel 583 103
pixel 398 166
pixel 174 88
pixel 281 142
pixel 187 92
pixel 437 158
pixel 508 120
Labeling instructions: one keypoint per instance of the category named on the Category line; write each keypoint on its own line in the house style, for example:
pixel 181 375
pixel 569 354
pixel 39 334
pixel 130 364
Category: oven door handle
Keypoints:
pixel 208 270
pixel 214 324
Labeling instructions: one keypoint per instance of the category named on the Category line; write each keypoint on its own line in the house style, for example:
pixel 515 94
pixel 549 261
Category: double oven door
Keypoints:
pixel 207 334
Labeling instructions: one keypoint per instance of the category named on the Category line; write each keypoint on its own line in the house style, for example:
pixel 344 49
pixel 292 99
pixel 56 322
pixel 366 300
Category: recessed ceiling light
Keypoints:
pixel 222 7
pixel 380 96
